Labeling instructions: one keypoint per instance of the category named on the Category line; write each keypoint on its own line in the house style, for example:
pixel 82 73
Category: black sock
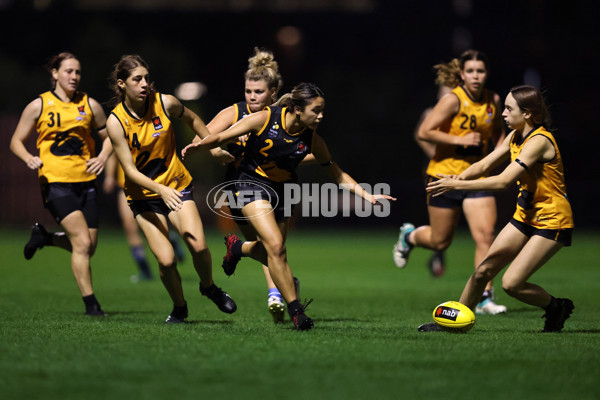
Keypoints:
pixel 294 307
pixel 552 304
pixel 236 248
pixel 90 302
pixel 180 312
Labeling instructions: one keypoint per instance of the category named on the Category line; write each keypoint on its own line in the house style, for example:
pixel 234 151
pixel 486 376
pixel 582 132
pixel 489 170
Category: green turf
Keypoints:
pixel 364 345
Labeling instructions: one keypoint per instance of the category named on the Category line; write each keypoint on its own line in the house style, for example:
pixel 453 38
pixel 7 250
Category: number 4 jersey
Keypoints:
pixel 64 140
pixel 151 140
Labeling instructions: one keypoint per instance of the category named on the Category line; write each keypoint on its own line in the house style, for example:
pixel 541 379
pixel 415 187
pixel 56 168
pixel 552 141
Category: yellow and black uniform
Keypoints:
pixel 472 116
pixel 151 141
pixel 65 145
pixel 270 158
pixel 542 202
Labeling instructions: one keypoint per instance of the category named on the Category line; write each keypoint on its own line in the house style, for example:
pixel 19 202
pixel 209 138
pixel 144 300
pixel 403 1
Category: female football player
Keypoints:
pixel 463 125
pixel 262 82
pixel 157 185
pixel 280 137
pixel 543 221
pixel 67 168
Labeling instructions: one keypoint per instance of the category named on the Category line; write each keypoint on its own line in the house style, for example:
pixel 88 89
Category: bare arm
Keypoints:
pixel 222 121
pixel 537 149
pixel 489 162
pixel 252 123
pixel 96 164
pixel 322 156
pixel 427 147
pixel 24 128
pixel 444 111
pixel 170 196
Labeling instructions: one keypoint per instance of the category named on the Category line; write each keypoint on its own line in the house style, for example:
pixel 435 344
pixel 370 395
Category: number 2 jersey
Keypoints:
pixel 64 139
pixel 272 154
pixel 542 201
pixel 151 141
pixel 472 116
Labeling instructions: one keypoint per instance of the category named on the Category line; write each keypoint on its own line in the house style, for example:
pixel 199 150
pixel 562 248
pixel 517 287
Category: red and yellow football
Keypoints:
pixel 454 315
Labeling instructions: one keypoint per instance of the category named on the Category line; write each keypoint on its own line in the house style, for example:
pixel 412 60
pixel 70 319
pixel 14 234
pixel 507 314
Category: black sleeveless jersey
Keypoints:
pixel 272 154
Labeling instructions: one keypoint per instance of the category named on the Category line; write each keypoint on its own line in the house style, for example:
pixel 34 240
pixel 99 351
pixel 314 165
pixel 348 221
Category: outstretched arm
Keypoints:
pixel 537 149
pixel 252 123
pixel 323 157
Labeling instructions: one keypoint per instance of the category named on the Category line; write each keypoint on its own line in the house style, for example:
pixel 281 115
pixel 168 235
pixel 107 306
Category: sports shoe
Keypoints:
pixel 230 260
pixel 301 321
pixel 178 315
pixel 430 327
pixel 488 306
pixel 95 311
pixel 220 298
pixel 436 264
pixel 276 309
pixel 403 247
pixel 37 240
pixel 557 315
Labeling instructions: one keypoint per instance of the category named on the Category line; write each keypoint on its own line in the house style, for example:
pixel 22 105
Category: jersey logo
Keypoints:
pixel 157 124
pixel 66 145
pixel 81 110
pixel 301 149
pixel 288 140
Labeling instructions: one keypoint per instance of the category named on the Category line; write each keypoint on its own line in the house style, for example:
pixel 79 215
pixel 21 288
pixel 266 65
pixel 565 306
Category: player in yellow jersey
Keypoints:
pixel 543 221
pixel 262 82
pixel 114 178
pixel 157 185
pixel 436 262
pixel 67 167
pixel 464 125
pixel 289 130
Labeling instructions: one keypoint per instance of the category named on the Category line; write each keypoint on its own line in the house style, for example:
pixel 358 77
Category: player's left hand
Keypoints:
pixel 95 165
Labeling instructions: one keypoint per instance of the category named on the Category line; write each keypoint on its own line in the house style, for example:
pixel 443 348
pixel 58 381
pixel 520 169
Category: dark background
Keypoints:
pixel 373 59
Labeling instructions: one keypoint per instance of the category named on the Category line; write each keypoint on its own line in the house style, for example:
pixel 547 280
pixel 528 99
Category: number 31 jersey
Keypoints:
pixel 64 139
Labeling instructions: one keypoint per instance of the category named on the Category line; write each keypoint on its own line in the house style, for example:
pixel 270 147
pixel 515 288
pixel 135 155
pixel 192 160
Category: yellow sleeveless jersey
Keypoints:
pixel 472 116
pixel 64 139
pixel 542 201
pixel 151 141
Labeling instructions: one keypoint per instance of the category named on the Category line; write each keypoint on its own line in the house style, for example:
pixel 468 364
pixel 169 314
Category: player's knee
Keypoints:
pixel 165 259
pixel 483 274
pixel 441 245
pixel 276 249
pixel 81 244
pixel 511 286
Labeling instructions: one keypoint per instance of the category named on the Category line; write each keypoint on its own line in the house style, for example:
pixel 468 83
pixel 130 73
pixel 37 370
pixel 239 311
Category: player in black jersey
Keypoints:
pixel 280 137
pixel 262 82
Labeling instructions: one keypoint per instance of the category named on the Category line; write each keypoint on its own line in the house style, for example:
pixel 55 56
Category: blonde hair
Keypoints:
pixel 262 66
pixel 448 74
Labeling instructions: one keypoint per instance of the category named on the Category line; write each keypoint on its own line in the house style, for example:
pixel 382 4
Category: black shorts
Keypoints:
pixel 63 198
pixel 248 190
pixel 157 205
pixel 563 236
pixel 454 198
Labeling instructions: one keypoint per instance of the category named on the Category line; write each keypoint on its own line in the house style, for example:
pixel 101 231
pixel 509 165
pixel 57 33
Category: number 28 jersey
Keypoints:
pixel 477 116
pixel 272 154
pixel 64 139
pixel 151 141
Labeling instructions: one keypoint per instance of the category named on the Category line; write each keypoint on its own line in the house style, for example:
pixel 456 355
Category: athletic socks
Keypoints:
pixel 139 255
pixel 274 293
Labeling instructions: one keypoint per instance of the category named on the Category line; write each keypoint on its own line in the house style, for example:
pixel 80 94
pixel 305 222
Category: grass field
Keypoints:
pixel 364 345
